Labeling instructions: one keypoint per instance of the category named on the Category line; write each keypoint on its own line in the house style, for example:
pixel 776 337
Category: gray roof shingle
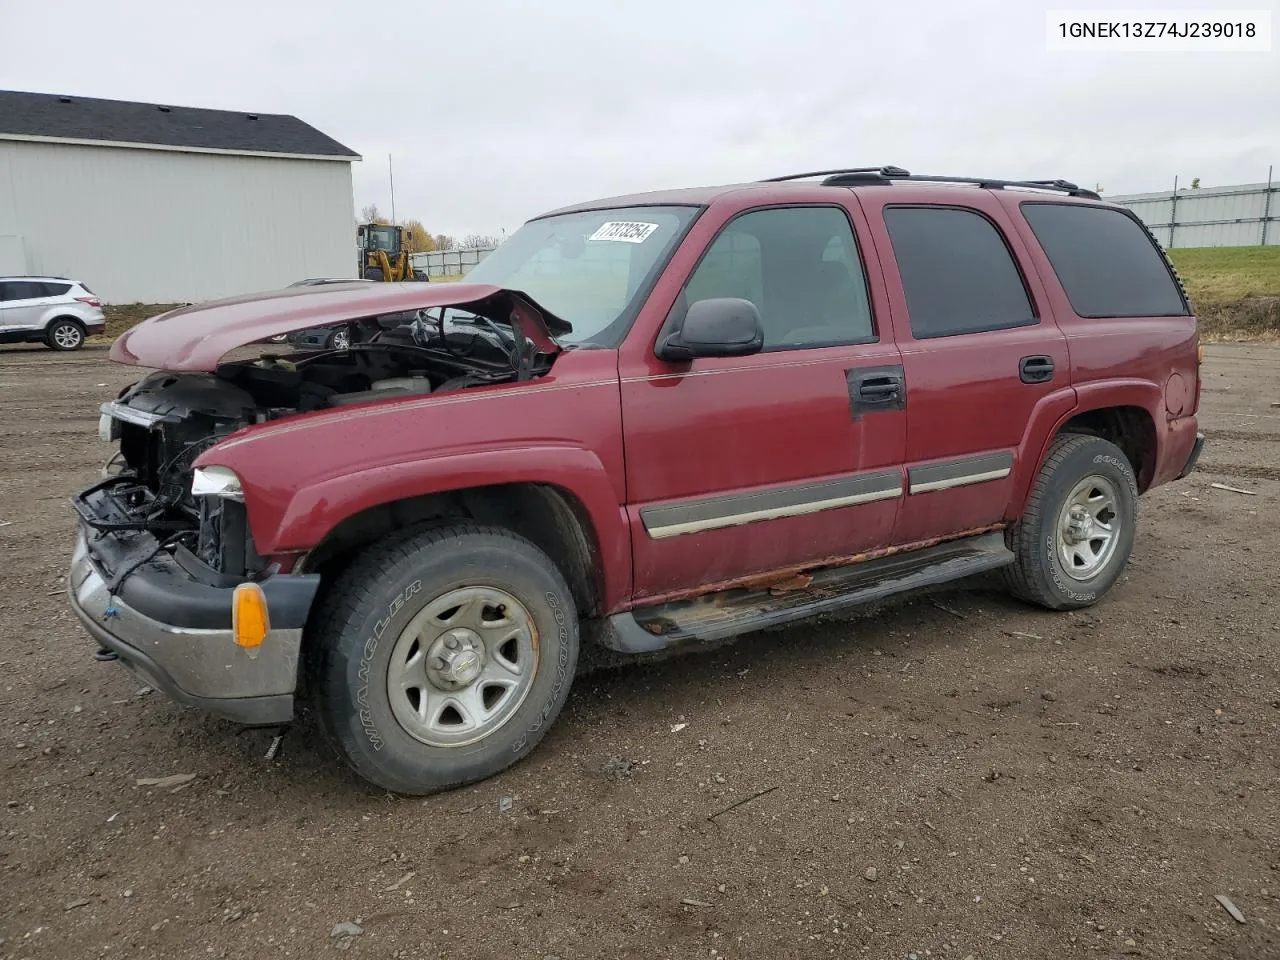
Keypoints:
pixel 124 121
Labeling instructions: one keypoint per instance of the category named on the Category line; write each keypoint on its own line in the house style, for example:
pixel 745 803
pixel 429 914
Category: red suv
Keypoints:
pixel 649 421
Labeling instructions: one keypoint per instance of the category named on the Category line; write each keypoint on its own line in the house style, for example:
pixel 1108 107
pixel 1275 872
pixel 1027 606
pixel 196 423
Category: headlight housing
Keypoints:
pixel 216 482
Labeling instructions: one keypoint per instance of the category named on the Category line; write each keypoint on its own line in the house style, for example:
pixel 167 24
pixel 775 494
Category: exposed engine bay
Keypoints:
pixel 166 420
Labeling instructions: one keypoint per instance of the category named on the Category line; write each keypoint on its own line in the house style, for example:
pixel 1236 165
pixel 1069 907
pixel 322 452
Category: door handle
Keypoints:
pixel 1035 369
pixel 876 390
pixel 879 390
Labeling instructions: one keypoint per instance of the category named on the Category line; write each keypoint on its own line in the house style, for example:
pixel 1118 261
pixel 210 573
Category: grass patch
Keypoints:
pixel 122 316
pixel 1214 275
pixel 1253 318
pixel 1235 291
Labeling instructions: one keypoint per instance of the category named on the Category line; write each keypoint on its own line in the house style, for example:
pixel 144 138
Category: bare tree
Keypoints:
pixel 479 241
pixel 445 242
pixel 369 214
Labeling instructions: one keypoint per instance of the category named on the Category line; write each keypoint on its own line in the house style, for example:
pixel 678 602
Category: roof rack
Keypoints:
pixel 857 176
pixel 885 172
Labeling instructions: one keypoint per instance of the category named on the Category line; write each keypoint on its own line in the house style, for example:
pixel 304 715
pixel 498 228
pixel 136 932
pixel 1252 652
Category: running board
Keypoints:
pixel 717 616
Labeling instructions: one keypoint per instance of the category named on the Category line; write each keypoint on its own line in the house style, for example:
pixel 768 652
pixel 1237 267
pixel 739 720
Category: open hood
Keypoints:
pixel 197 337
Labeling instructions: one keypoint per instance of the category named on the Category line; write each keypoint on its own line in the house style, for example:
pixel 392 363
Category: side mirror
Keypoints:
pixel 721 327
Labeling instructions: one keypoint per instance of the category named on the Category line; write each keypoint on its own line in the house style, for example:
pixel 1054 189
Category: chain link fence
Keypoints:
pixel 449 263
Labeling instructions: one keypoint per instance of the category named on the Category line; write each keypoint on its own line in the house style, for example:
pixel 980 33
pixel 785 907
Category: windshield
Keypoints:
pixel 592 269
pixel 383 238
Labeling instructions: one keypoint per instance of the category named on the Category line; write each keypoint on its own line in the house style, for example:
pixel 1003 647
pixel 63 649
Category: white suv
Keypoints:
pixel 50 310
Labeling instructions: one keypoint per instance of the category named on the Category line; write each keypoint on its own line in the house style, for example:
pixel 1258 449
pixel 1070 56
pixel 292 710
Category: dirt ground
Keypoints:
pixel 1022 784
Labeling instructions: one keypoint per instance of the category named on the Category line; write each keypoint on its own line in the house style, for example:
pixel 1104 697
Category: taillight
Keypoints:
pixel 91 301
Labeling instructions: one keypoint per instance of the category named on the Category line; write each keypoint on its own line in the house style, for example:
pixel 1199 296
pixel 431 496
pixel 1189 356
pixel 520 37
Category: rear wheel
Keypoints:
pixel 65 334
pixel 442 657
pixel 1075 536
pixel 373 273
pixel 340 339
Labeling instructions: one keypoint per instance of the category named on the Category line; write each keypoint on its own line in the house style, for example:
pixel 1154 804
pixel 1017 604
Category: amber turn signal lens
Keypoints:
pixel 1200 354
pixel 249 620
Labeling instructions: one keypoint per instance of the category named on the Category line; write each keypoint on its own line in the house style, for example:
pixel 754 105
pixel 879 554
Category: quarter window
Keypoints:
pixel 801 269
pixel 1107 264
pixel 957 272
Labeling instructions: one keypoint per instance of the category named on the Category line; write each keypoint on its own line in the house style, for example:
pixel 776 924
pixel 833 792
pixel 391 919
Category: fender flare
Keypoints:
pixel 314 510
pixel 1054 410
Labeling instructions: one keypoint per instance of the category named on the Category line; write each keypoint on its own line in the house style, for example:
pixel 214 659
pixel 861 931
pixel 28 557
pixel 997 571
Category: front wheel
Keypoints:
pixel 442 657
pixel 1076 533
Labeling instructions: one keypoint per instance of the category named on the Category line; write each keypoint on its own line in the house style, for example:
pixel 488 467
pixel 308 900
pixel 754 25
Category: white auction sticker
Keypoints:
pixel 624 231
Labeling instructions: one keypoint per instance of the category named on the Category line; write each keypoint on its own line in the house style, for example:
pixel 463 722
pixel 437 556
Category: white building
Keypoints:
pixel 151 203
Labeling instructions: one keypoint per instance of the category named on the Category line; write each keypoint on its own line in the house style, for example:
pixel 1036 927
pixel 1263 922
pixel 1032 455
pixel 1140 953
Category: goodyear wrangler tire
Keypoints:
pixel 1074 538
pixel 442 657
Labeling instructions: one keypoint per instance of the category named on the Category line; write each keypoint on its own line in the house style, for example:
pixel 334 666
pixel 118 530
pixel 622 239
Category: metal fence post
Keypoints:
pixel 1266 206
pixel 1173 212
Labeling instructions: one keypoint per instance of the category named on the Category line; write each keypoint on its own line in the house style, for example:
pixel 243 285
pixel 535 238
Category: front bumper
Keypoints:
pixel 191 654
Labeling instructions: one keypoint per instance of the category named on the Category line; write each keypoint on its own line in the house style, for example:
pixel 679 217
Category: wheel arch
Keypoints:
pixel 70 318
pixel 1118 410
pixel 1129 427
pixel 551 517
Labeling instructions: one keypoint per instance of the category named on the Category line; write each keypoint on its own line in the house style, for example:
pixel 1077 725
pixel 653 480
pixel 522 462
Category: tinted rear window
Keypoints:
pixel 956 271
pixel 56 289
pixel 23 290
pixel 1106 262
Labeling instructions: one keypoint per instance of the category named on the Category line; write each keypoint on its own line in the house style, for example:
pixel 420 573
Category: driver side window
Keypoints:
pixel 800 267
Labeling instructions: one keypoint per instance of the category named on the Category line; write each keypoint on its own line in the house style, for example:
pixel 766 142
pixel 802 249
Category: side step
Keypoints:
pixel 717 616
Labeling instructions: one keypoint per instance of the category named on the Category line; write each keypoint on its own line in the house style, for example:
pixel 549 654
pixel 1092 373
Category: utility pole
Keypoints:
pixel 391 174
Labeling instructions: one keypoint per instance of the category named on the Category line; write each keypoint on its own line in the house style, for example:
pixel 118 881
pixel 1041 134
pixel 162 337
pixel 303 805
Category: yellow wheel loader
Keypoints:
pixel 383 253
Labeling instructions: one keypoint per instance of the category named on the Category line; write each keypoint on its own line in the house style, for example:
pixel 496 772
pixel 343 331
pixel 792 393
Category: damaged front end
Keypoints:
pixel 165 566
pixel 158 568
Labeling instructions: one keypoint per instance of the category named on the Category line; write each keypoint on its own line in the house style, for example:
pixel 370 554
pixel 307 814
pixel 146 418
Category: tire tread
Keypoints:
pixel 340 611
pixel 1023 577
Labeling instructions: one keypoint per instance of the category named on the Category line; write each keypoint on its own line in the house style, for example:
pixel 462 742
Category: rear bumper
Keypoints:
pixel 1194 456
pixel 201 666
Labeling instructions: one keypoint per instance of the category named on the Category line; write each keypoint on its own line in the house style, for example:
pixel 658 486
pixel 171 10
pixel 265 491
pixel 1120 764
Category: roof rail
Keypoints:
pixel 885 172
pixel 852 178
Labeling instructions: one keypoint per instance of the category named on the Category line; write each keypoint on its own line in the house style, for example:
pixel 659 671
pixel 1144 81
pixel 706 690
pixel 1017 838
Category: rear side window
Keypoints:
pixel 1106 263
pixel 55 289
pixel 23 290
pixel 957 272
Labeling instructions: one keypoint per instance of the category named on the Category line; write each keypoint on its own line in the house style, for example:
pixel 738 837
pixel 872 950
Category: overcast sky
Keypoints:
pixel 495 110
